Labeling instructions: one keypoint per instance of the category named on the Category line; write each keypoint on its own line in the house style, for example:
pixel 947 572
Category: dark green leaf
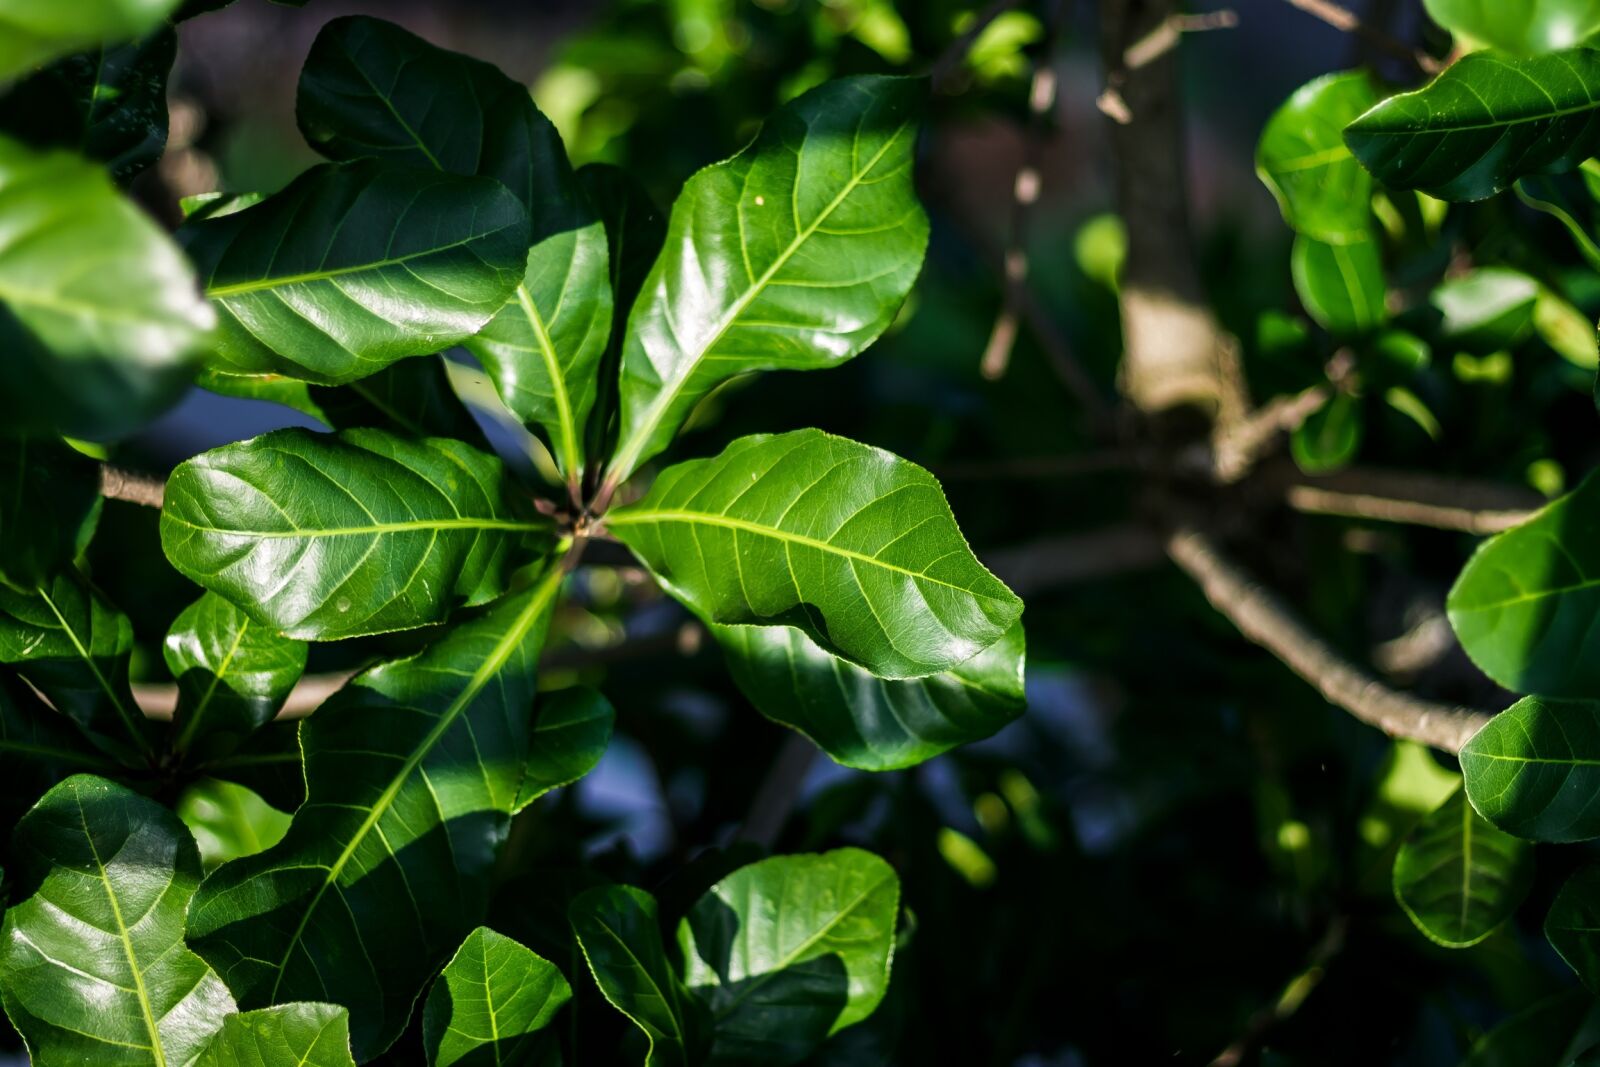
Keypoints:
pixel 1523 28
pixel 412 397
pixel 93 352
pixel 38 747
pixel 1341 285
pixel 795 254
pixel 267 763
pixel 323 537
pixel 1525 606
pixel 273 388
pixel 790 950
pixel 1573 925
pixel 571 730
pixel 1321 189
pixel 853 545
pixel 34 31
pixel 93 968
pixel 1488 120
pixel 1569 203
pixel 109 104
pixel 233 675
pixel 1534 769
pixel 355 266
pixel 74 647
pixel 369 88
pixel 490 1002
pixel 1330 437
pixel 1459 877
pixel 49 504
pixel 1548 1034
pixel 868 722
pixel 229 821
pixel 620 934
pixel 412 772
pixel 1486 310
pixel 291 1035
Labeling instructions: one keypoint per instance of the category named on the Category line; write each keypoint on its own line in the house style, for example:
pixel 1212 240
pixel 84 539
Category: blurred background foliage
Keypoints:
pixel 1181 854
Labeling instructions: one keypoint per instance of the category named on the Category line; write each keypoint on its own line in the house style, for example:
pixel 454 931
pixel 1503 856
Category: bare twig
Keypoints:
pixel 775 799
pixel 948 65
pixel 1237 447
pixel 1415 499
pixel 1342 18
pixel 119 484
pixel 1294 994
pixel 1079 557
pixel 160 700
pixel 1263 617
pixel 1164 38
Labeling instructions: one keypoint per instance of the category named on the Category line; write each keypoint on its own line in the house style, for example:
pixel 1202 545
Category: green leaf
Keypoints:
pixel 267 763
pixel 49 505
pixel 490 1002
pixel 110 104
pixel 1535 768
pixel 1488 120
pixel 1330 437
pixel 1573 925
pixel 571 730
pixel 290 1035
pixel 229 821
pixel 34 31
pixel 1569 203
pixel 1486 310
pixel 1321 189
pixel 1523 28
pixel 272 388
pixel 411 397
pixel 411 772
pixel 867 722
pixel 853 545
pixel 1341 285
pixel 38 747
pixel 1547 1034
pixel 233 675
pixel 790 950
pixel 72 646
pixel 93 968
pixel 1525 606
pixel 92 352
pixel 1458 877
pixel 620 935
pixel 329 536
pixel 1565 329
pixel 795 254
pixel 369 88
pixel 355 266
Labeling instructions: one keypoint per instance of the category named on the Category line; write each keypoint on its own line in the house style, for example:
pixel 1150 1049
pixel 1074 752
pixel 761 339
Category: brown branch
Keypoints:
pixel 1414 499
pixel 1079 557
pixel 119 484
pixel 1164 38
pixel 1266 619
pixel 1236 448
pixel 1342 18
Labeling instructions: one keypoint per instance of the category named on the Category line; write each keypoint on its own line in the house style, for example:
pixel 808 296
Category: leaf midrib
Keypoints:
pixel 261 284
pixel 94 668
pixel 373 528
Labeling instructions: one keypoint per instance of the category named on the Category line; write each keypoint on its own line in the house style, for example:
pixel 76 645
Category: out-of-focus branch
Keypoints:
pixel 1342 18
pixel 1294 994
pixel 1415 499
pixel 119 484
pixel 1080 557
pixel 1265 618
pixel 1238 447
pixel 160 700
pixel 775 800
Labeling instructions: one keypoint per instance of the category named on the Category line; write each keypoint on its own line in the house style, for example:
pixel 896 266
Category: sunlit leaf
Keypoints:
pixel 1321 189
pixel 1341 285
pixel 229 821
pixel 290 1035
pixel 39 30
pixel 490 1004
pixel 1534 769
pixel 1530 27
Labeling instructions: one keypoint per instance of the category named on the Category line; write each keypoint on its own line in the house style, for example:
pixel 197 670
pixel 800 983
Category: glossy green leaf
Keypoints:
pixel 571 730
pixel 290 1035
pixel 229 821
pixel 1330 437
pixel 1525 606
pixel 1526 27
pixel 412 771
pixel 795 254
pixel 790 950
pixel 92 352
pixel 1488 120
pixel 411 397
pixel 1341 285
pixel 490 1004
pixel 272 388
pixel 355 266
pixel 93 968
pixel 1458 876
pixel 34 31
pixel 1573 925
pixel 855 546
pixel 369 88
pixel 1534 770
pixel 323 537
pixel 868 722
pixel 38 747
pixel 1547 1034
pixel 233 675
pixel 1321 189
pixel 74 647
pixel 620 934
pixel 49 504
pixel 109 104
pixel 1486 310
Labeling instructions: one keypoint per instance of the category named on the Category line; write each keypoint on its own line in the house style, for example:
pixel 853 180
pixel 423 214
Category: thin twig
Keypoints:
pixel 1238 447
pixel 1266 619
pixel 779 791
pixel 1414 499
pixel 948 65
pixel 1165 37
pixel 1294 994
pixel 1342 18
pixel 117 483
